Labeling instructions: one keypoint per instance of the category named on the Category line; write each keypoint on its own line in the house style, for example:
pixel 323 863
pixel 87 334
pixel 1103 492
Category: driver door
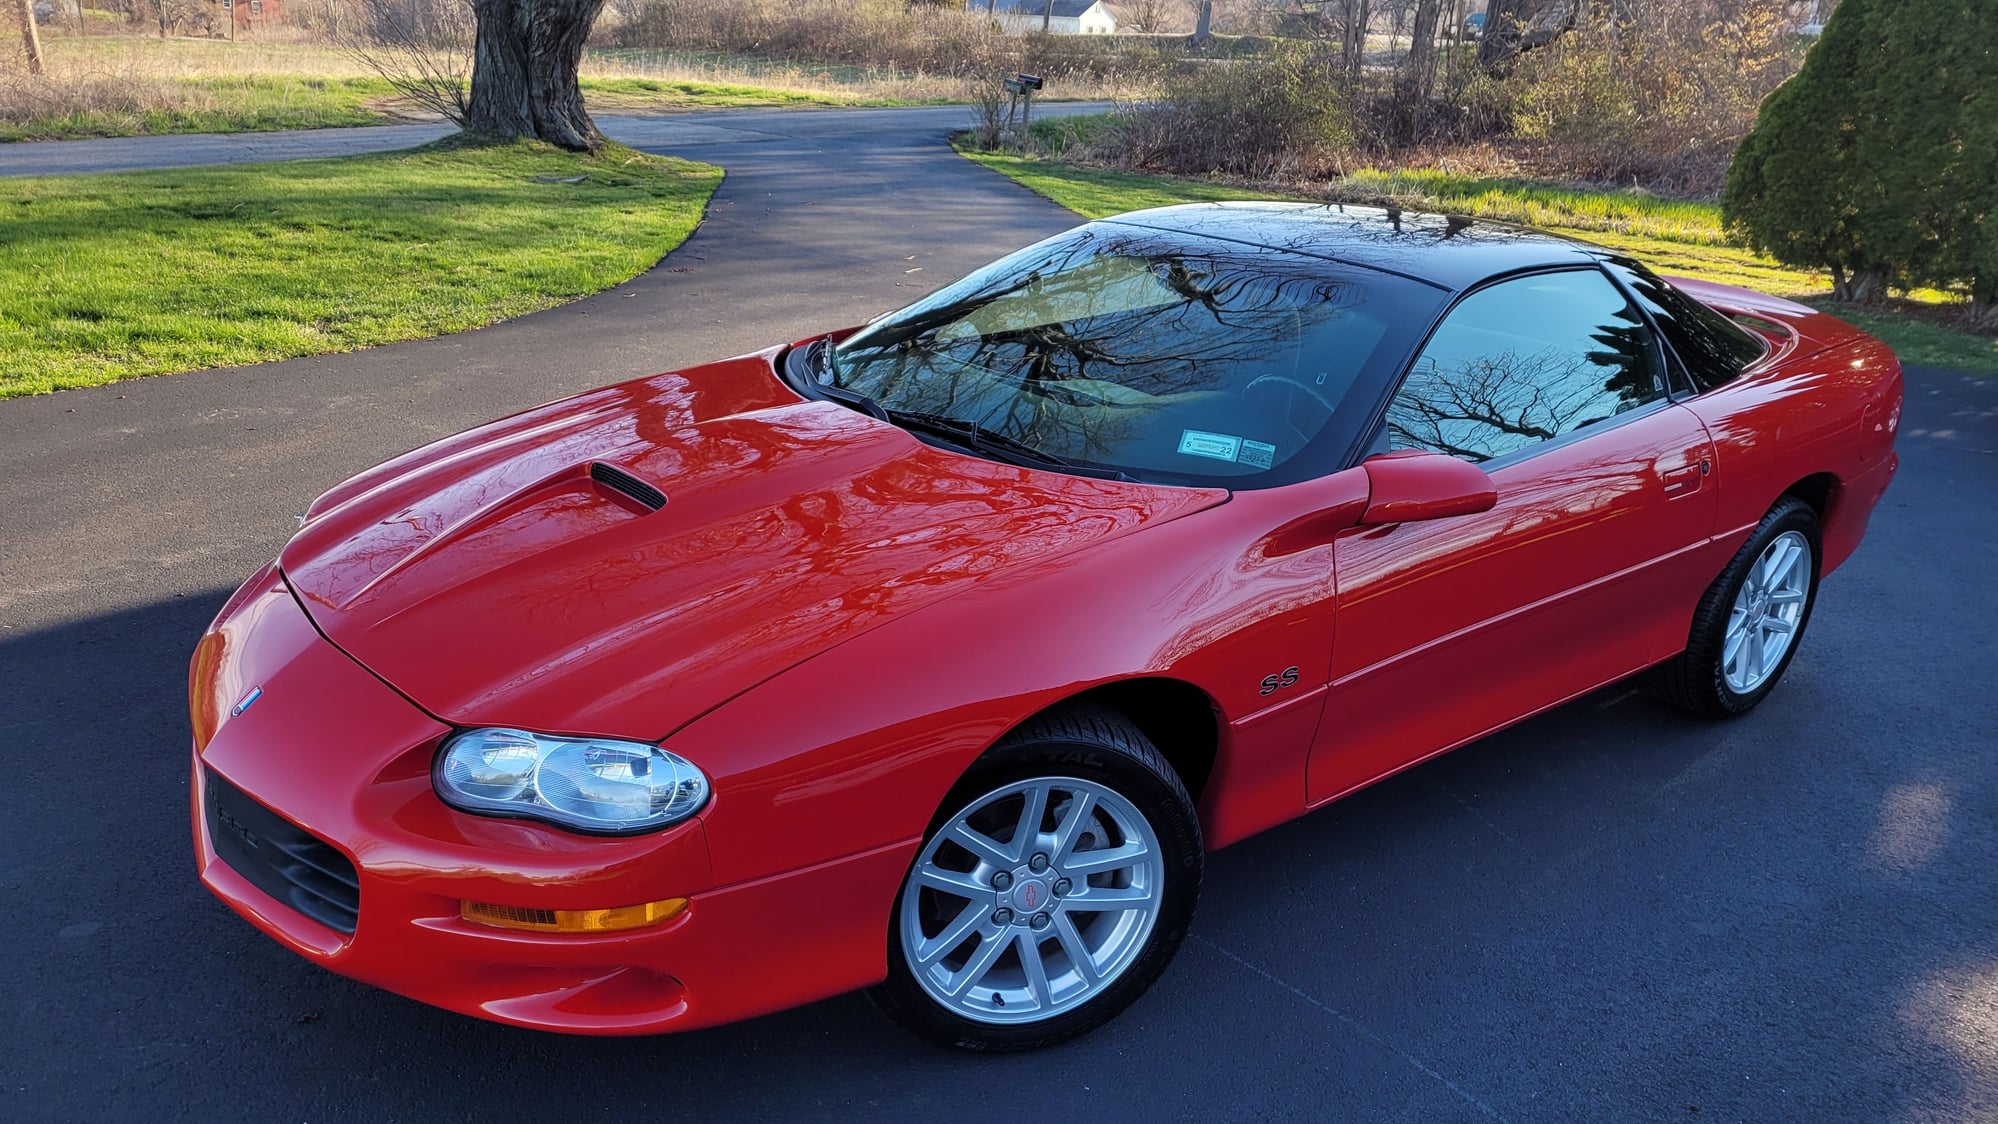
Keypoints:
pixel 1584 571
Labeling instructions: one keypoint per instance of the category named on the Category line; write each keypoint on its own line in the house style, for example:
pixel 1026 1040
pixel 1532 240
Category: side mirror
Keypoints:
pixel 1411 486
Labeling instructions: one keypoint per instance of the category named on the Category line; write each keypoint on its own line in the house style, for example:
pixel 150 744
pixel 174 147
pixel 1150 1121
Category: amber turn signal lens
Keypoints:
pixel 573 920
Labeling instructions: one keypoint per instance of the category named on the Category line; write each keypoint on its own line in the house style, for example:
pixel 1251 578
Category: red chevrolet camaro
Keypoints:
pixel 934 655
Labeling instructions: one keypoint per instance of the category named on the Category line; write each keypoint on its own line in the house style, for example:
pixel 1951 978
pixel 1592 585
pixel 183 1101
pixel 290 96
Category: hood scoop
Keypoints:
pixel 535 573
pixel 627 485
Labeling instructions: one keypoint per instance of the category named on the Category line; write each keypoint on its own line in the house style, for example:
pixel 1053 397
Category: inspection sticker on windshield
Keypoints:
pixel 1220 446
pixel 1225 447
pixel 1257 454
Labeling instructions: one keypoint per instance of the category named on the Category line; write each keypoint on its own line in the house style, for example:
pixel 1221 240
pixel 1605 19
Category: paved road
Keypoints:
pixel 1612 912
pixel 661 132
pixel 130 154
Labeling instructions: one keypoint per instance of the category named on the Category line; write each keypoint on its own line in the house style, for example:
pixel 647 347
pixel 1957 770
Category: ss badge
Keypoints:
pixel 1285 678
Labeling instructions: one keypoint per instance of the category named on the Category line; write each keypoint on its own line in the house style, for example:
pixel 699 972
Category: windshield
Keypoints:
pixel 1167 357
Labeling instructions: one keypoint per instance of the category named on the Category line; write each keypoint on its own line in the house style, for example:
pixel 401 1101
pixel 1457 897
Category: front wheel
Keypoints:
pixel 1055 885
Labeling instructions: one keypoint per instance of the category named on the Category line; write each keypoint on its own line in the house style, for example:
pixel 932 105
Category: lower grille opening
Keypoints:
pixel 281 858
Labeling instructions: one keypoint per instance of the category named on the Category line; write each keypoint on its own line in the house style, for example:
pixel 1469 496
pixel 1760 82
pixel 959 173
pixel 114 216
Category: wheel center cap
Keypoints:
pixel 1030 895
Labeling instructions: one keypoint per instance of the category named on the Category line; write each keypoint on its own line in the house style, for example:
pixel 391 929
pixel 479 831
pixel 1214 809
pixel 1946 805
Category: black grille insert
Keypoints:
pixel 281 858
pixel 618 480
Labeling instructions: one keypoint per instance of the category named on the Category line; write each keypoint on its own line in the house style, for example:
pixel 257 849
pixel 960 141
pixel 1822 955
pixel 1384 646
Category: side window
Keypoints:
pixel 1712 348
pixel 1525 361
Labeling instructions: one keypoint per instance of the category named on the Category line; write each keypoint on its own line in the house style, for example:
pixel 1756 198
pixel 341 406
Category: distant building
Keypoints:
pixel 256 13
pixel 1070 17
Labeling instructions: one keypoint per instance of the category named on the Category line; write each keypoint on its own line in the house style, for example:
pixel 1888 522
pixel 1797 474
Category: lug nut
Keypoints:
pixel 1001 880
pixel 1040 921
pixel 1062 886
pixel 1002 916
pixel 1038 863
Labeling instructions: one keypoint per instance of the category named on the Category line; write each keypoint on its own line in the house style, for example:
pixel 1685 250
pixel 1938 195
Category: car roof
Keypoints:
pixel 1451 252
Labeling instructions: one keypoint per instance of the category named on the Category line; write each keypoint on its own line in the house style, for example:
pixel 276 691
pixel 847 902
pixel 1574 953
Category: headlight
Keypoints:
pixel 585 784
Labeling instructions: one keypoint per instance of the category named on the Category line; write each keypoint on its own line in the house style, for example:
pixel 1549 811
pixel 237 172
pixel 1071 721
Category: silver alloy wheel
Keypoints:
pixel 1767 611
pixel 1032 900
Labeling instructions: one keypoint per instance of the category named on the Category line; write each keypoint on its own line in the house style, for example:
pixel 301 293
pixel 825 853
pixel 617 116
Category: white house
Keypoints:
pixel 1070 17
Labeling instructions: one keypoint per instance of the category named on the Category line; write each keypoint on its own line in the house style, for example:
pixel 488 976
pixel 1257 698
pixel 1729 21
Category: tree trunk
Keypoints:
pixel 1984 306
pixel 1413 86
pixel 31 39
pixel 1203 24
pixel 1418 73
pixel 1353 49
pixel 524 63
pixel 1515 26
pixel 1861 286
pixel 1456 29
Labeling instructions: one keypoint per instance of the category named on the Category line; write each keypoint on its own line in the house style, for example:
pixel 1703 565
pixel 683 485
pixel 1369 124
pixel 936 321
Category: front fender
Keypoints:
pixel 855 748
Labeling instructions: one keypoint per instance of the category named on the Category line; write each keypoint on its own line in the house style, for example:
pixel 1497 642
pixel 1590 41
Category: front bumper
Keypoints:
pixel 339 754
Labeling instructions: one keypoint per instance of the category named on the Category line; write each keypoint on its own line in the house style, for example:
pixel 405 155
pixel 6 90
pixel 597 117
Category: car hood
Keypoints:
pixel 515 574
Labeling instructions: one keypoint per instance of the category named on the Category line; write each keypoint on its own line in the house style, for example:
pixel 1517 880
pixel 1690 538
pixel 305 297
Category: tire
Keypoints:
pixel 1102 915
pixel 1711 679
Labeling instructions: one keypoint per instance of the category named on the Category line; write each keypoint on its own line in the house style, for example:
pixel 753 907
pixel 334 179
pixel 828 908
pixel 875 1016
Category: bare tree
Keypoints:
pixel 1353 47
pixel 627 11
pixel 1203 20
pixel 991 110
pixel 31 38
pixel 1397 12
pixel 425 55
pixel 1149 16
pixel 1418 75
pixel 1513 26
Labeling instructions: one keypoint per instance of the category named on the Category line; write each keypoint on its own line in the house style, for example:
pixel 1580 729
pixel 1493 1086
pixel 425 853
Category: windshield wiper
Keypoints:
pixel 826 388
pixel 976 437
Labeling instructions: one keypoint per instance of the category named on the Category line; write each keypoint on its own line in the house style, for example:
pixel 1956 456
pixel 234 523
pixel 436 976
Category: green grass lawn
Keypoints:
pixel 1673 236
pixel 105 277
pixel 247 103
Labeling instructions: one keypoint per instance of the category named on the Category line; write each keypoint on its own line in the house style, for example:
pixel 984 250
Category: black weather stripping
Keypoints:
pixel 620 481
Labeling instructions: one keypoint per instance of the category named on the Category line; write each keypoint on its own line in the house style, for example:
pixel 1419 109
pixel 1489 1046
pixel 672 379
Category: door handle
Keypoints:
pixel 1686 481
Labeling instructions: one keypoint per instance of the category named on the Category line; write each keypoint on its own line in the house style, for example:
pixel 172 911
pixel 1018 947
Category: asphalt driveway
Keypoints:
pixel 660 132
pixel 1613 912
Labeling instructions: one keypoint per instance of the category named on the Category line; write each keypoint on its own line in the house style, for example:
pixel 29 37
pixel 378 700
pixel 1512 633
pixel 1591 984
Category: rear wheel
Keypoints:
pixel 1053 888
pixel 1751 619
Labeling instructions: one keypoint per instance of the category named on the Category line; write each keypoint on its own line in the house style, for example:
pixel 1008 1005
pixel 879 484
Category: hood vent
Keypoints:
pixel 627 485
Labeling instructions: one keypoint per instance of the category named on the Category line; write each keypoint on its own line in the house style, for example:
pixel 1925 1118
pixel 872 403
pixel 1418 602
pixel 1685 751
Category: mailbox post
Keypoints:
pixel 1021 89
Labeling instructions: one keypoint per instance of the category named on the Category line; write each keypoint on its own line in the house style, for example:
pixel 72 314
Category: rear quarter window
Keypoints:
pixel 1713 349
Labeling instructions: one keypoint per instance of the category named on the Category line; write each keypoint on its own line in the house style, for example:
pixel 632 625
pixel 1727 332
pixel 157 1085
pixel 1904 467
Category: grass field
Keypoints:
pixel 245 103
pixel 106 277
pixel 114 86
pixel 1673 236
